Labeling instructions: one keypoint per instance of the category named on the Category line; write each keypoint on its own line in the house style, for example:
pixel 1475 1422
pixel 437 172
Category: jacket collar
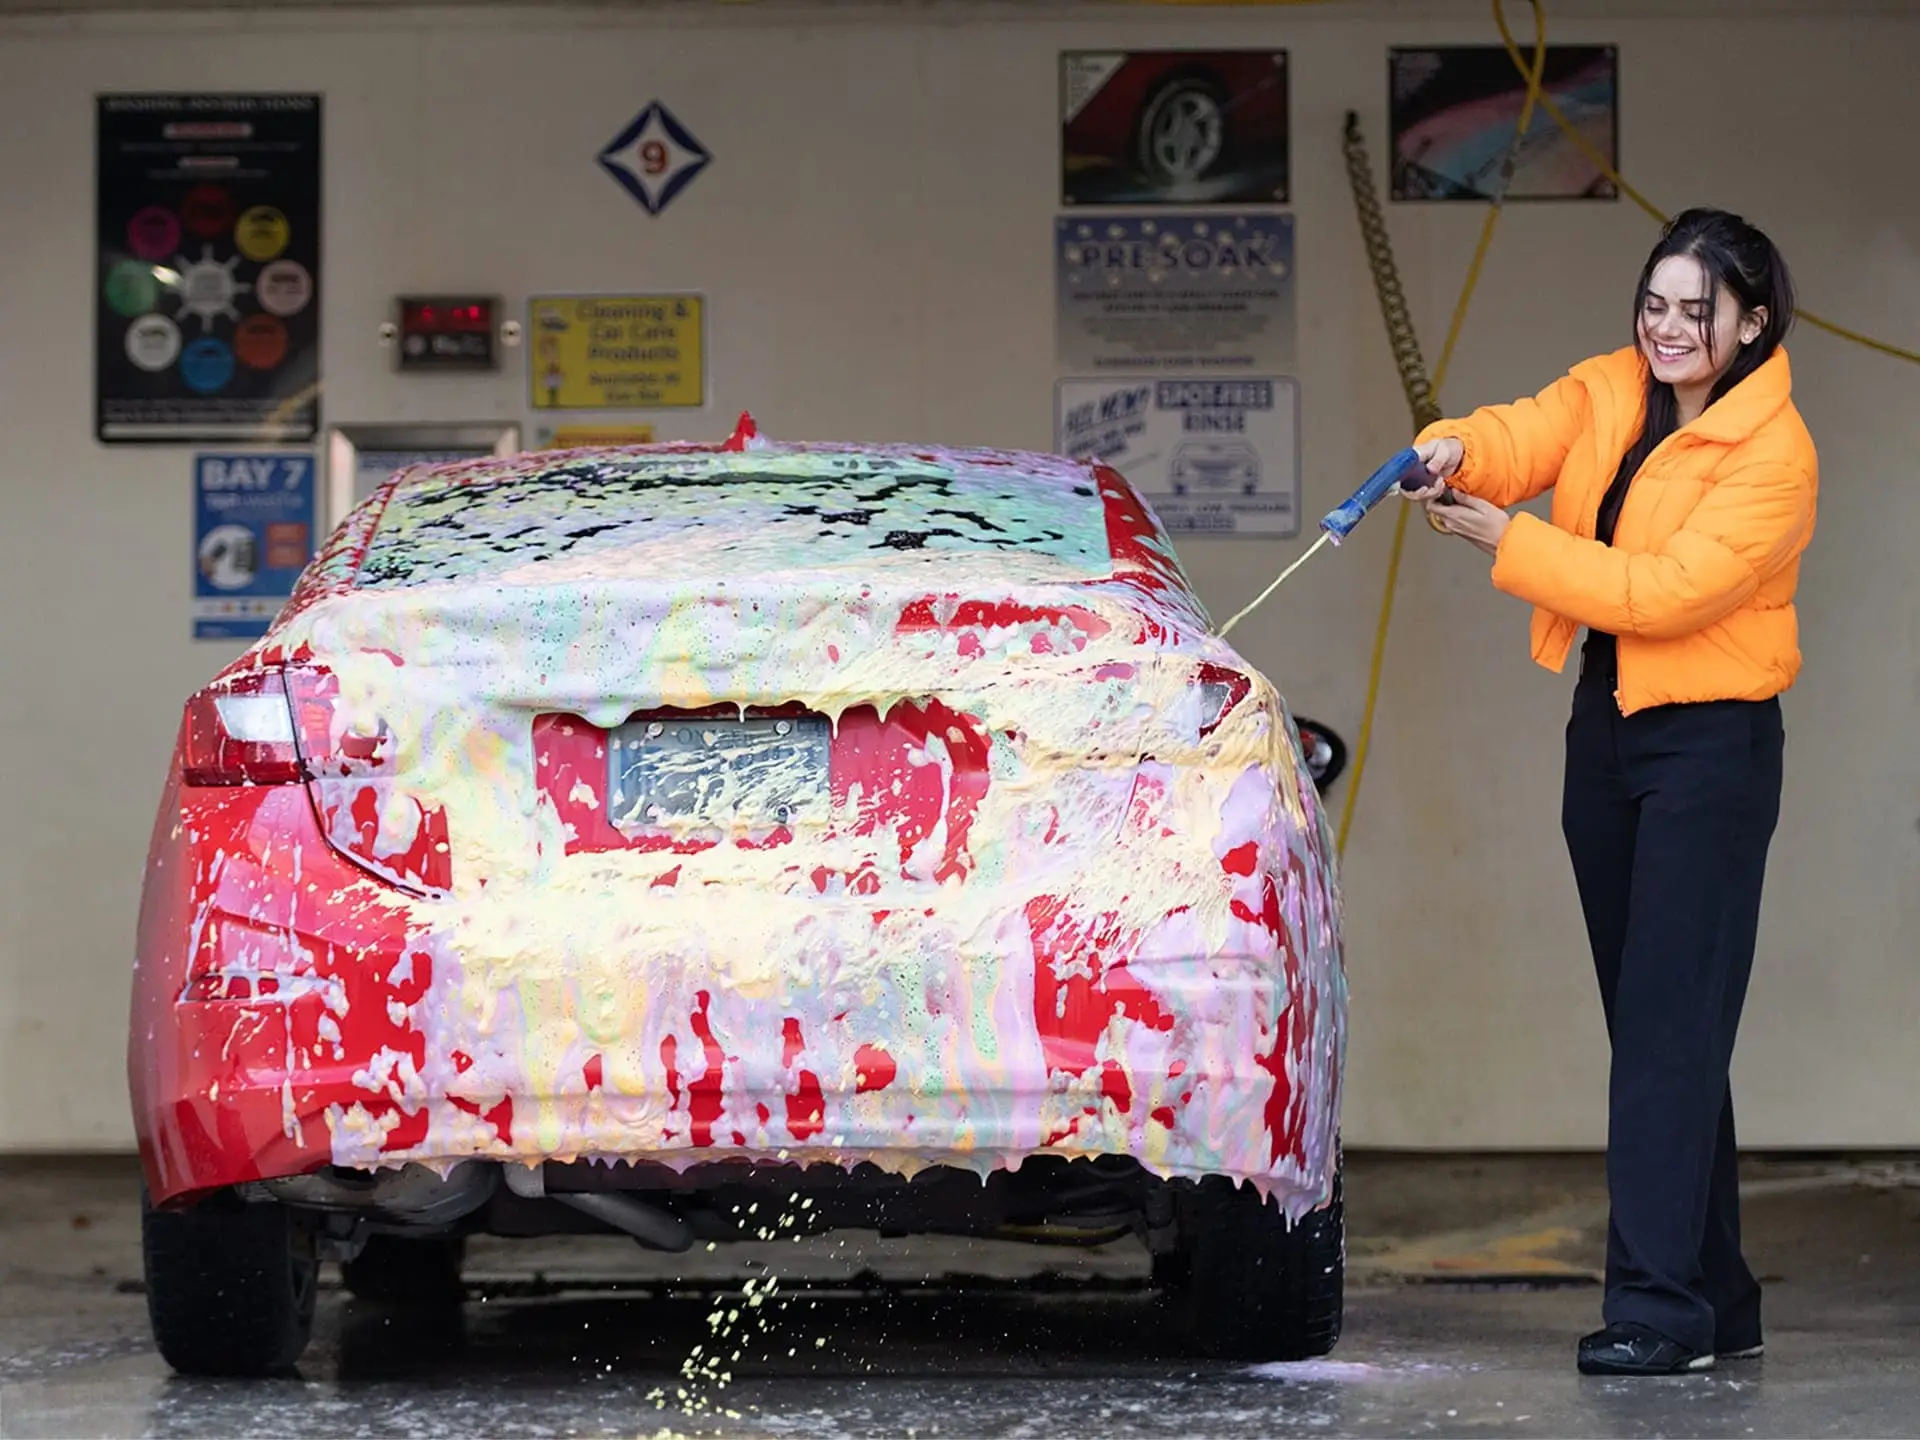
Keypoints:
pixel 1749 405
pixel 1622 390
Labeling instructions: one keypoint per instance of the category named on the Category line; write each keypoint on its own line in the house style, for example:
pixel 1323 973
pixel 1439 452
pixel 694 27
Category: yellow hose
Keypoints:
pixel 1365 741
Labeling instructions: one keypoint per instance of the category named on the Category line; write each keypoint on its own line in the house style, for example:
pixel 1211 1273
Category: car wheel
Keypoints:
pixel 1249 1286
pixel 405 1270
pixel 1182 131
pixel 1324 752
pixel 230 1285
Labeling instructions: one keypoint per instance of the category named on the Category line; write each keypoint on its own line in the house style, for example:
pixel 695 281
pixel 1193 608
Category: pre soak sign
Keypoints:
pixel 253 535
pixel 1212 456
pixel 617 352
pixel 1174 293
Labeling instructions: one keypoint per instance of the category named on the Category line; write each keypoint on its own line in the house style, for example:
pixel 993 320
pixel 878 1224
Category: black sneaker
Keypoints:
pixel 1740 1352
pixel 1630 1348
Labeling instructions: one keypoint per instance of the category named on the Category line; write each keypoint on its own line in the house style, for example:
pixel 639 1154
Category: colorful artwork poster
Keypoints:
pixel 1174 292
pixel 206 304
pixel 1453 113
pixel 1173 127
pixel 253 535
pixel 617 352
pixel 1211 455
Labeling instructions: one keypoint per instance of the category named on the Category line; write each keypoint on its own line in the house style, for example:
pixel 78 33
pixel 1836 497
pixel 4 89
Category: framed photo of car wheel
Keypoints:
pixel 1174 127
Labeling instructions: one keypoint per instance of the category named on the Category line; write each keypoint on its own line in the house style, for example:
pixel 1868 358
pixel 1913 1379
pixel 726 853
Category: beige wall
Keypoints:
pixel 874 237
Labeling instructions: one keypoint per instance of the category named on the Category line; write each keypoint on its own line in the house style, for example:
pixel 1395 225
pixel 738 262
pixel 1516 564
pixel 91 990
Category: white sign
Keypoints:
pixel 1210 455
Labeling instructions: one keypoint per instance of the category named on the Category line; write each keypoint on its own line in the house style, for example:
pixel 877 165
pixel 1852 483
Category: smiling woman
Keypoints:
pixel 1684 489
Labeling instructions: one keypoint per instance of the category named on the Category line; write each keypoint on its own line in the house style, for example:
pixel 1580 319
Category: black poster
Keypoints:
pixel 207 306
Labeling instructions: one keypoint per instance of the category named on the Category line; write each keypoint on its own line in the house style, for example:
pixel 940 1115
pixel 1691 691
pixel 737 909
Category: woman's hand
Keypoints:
pixel 1472 519
pixel 1442 458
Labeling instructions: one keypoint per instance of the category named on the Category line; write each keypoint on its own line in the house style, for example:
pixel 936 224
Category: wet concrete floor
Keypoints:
pixel 1471 1280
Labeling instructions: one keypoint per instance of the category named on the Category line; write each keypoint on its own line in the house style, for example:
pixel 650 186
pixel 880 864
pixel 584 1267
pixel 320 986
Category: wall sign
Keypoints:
pixel 1213 455
pixel 654 158
pixel 592 437
pixel 253 535
pixel 1174 292
pixel 206 306
pixel 617 352
pixel 1173 127
pixel 1454 107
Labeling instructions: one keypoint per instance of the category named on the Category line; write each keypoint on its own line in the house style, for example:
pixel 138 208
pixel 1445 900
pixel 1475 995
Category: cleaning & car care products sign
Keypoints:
pixel 208 260
pixel 253 535
pixel 1212 454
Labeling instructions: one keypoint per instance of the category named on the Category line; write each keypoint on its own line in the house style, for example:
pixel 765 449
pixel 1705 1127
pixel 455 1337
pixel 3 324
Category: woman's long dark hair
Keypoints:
pixel 1736 255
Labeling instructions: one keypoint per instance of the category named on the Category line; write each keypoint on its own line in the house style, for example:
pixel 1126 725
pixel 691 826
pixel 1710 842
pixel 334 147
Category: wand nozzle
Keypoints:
pixel 1405 471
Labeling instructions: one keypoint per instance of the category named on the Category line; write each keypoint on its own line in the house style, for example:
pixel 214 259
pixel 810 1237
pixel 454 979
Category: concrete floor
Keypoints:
pixel 1470 1282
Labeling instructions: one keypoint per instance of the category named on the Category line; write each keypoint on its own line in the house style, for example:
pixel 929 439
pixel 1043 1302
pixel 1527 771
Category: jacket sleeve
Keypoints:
pixel 1750 525
pixel 1514 452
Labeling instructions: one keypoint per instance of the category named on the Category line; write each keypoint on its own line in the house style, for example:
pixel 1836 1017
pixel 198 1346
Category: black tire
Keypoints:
pixel 1324 767
pixel 404 1270
pixel 230 1286
pixel 1200 87
pixel 1246 1285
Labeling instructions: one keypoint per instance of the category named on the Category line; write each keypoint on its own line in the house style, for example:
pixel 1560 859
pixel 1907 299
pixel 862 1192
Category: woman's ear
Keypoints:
pixel 1751 324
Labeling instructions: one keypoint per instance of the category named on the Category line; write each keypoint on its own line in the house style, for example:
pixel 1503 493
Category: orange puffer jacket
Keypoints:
pixel 1698 584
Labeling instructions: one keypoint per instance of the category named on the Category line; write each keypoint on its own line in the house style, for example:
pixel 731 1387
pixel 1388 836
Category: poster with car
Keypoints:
pixel 1173 127
pixel 1453 110
pixel 1173 292
pixel 1212 455
pixel 253 535
pixel 206 297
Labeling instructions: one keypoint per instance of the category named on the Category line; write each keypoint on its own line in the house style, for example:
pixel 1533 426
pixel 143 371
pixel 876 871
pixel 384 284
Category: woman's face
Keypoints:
pixel 1675 325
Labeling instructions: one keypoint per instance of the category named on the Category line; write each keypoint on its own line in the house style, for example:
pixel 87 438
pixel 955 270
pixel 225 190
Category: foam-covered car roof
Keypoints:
pixel 688 513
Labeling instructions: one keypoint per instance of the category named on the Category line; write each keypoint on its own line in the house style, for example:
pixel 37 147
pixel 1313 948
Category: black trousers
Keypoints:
pixel 1668 814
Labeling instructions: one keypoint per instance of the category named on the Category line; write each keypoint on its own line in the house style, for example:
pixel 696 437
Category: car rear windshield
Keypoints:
pixel 677 517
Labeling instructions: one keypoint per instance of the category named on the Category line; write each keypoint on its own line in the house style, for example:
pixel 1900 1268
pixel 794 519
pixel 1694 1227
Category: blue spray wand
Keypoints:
pixel 1405 471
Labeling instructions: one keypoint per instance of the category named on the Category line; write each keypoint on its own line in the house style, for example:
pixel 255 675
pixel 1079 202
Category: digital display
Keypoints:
pixel 447 333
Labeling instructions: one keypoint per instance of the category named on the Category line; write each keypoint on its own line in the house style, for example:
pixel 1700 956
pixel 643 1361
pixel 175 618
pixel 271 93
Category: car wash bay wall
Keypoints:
pixel 874 237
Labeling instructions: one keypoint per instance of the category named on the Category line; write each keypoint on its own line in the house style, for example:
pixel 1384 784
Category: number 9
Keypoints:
pixel 653 157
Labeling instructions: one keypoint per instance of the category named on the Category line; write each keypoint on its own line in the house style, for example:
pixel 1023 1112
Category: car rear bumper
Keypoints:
pixel 696 1072
pixel 291 1014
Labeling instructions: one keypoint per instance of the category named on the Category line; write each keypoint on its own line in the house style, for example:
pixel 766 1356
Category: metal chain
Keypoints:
pixel 1386 279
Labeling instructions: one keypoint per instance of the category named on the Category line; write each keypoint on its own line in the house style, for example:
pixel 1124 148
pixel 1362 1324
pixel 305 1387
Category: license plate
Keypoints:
pixel 729 773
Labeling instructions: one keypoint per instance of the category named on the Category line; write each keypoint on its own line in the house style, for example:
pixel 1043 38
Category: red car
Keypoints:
pixel 607 840
pixel 1175 118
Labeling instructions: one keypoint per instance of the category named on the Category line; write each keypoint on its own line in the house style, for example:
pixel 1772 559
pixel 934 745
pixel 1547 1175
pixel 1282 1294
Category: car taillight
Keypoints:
pixel 240 732
pixel 333 743
pixel 1220 690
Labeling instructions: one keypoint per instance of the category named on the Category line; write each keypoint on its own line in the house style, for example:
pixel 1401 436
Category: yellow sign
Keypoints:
pixel 594 437
pixel 617 352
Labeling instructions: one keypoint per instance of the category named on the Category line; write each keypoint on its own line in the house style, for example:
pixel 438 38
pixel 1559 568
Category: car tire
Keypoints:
pixel 230 1286
pixel 1313 735
pixel 407 1270
pixel 1245 1284
pixel 1194 91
